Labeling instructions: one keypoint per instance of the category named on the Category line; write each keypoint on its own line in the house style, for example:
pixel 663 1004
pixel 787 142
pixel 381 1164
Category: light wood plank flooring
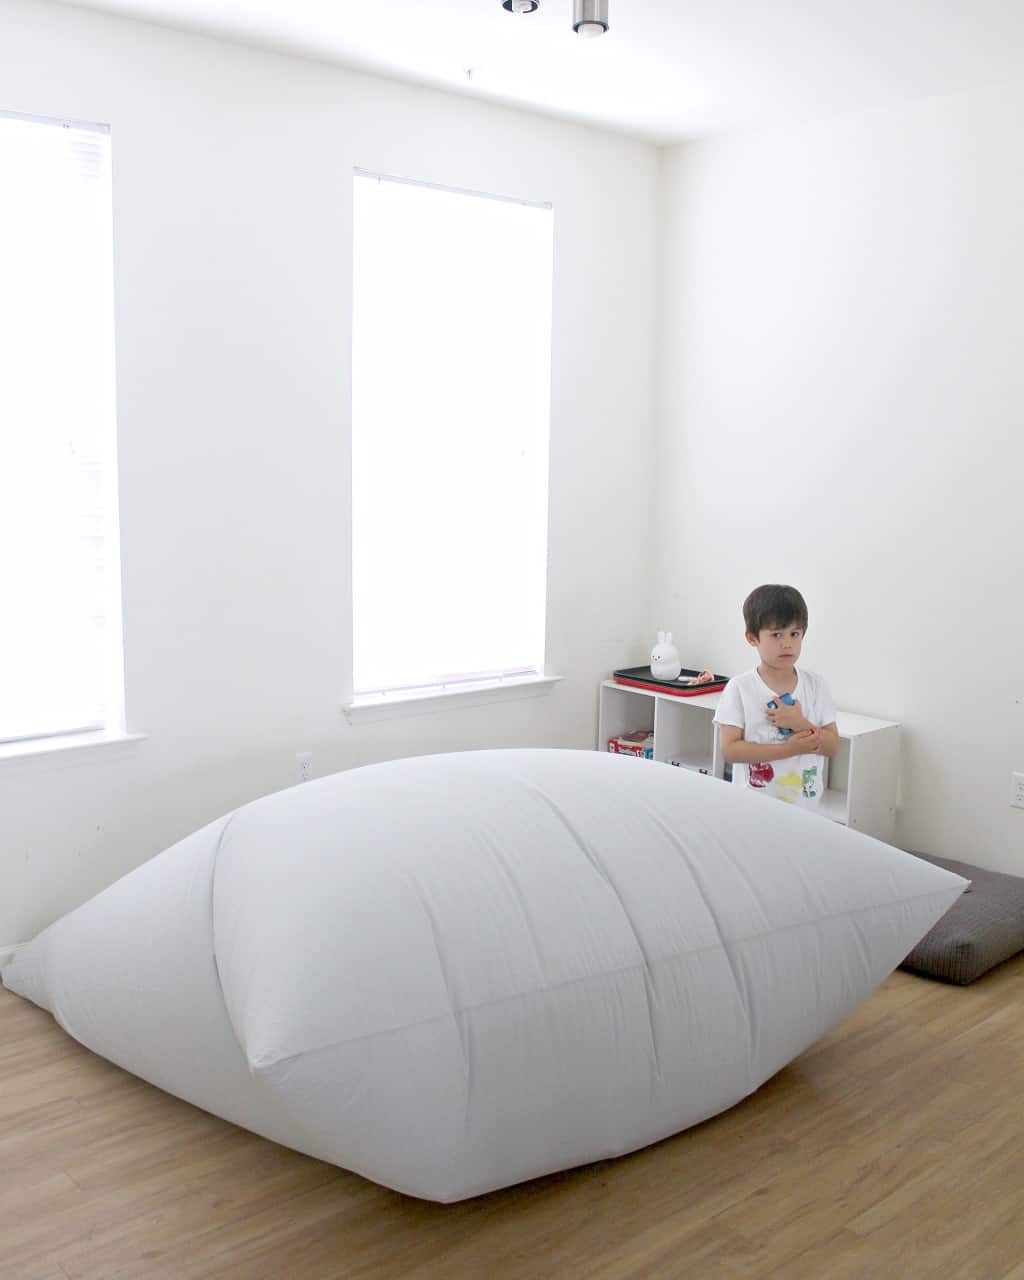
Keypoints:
pixel 892 1149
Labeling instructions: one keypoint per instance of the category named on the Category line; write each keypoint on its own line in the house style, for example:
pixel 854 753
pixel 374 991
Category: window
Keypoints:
pixel 450 412
pixel 60 637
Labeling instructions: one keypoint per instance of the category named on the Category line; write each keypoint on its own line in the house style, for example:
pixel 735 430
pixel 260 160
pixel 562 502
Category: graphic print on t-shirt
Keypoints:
pixel 759 775
pixel 790 786
pixel 787 787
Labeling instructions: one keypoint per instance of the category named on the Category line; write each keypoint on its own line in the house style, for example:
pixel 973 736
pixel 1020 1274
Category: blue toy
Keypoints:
pixel 789 700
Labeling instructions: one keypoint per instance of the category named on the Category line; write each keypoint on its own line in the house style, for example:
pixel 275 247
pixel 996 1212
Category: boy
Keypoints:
pixel 778 747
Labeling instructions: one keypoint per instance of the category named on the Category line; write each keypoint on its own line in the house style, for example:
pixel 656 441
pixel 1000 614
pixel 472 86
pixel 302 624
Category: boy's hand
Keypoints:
pixel 788 717
pixel 806 742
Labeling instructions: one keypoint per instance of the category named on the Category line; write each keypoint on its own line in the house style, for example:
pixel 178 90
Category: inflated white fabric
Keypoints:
pixel 456 972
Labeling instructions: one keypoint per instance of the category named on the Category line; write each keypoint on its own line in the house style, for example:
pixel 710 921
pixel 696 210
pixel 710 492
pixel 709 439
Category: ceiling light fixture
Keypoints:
pixel 590 17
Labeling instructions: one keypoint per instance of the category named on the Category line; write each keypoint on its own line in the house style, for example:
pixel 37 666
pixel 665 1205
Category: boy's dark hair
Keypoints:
pixel 774 606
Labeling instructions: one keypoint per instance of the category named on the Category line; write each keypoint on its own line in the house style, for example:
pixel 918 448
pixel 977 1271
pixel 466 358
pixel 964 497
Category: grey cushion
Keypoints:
pixel 981 929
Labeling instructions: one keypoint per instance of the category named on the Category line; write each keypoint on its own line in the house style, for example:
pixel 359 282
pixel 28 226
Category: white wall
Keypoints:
pixel 232 208
pixel 840 408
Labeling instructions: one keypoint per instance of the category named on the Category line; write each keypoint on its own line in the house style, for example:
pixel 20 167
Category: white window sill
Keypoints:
pixel 366 708
pixel 67 742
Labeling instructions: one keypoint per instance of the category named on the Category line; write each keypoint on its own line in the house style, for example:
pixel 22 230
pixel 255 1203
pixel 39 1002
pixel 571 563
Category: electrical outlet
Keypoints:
pixel 304 766
pixel 1017 790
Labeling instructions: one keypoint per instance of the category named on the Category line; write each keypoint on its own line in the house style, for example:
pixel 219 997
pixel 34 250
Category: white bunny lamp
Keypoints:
pixel 665 663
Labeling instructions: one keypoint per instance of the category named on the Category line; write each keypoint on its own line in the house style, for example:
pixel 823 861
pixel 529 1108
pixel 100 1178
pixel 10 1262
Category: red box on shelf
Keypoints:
pixel 637 742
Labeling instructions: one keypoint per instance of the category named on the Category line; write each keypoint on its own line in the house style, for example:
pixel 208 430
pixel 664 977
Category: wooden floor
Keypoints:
pixel 894 1149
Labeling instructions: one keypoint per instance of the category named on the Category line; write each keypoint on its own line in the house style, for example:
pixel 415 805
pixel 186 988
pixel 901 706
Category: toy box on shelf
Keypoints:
pixel 636 742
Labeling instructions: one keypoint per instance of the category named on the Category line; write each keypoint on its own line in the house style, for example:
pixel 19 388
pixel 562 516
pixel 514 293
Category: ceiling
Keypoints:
pixel 666 70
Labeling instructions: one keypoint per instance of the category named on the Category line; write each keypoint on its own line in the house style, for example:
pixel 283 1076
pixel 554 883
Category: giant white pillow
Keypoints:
pixel 456 972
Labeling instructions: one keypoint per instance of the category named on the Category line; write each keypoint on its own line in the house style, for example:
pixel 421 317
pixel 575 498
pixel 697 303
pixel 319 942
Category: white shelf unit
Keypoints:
pixel 863 775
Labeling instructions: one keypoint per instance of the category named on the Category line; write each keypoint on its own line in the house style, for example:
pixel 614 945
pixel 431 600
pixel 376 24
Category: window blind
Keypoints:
pixel 60 654
pixel 450 404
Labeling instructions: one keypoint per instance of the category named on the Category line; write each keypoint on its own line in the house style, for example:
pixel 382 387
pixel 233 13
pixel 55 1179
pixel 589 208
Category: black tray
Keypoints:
pixel 641 678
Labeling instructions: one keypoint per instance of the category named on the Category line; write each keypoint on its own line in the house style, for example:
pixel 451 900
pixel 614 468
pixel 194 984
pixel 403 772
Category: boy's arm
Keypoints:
pixel 737 751
pixel 829 735
pixel 792 717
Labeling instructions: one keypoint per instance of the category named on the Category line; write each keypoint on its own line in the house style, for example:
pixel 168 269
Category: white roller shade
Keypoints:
pixel 60 657
pixel 451 392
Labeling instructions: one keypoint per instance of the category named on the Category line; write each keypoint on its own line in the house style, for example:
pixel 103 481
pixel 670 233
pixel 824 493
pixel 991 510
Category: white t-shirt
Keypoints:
pixel 744 703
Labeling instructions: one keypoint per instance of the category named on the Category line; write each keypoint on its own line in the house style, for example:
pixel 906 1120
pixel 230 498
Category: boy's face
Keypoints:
pixel 778 646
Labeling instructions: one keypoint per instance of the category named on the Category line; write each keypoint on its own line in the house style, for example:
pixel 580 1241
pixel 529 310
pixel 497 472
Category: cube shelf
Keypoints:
pixel 863 776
